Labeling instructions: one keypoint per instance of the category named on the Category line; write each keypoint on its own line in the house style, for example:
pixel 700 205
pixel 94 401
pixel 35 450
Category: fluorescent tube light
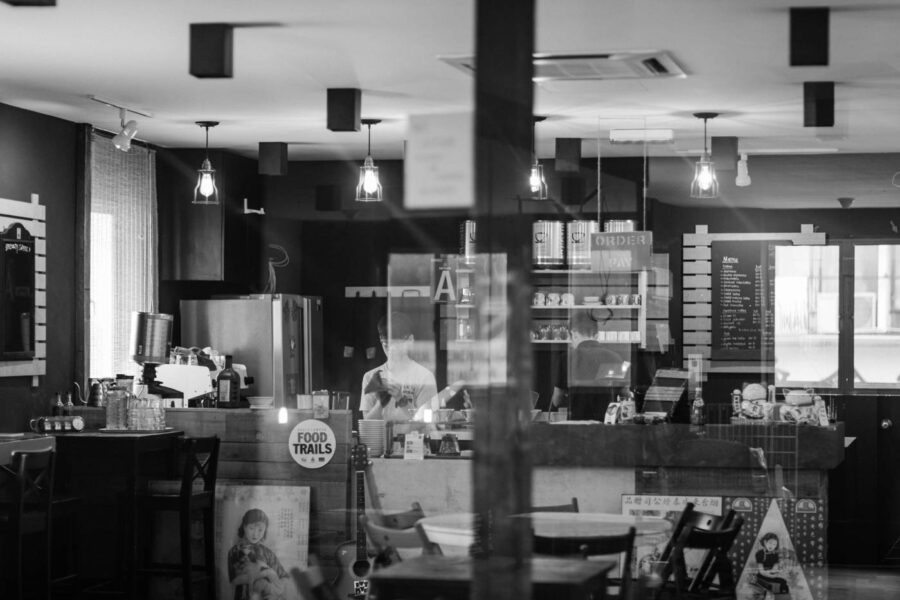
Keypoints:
pixel 651 136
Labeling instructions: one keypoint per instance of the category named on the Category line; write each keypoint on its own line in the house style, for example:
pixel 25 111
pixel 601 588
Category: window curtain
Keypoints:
pixel 123 241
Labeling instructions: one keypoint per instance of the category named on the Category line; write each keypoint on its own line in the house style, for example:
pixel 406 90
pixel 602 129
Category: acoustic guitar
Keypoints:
pixel 353 556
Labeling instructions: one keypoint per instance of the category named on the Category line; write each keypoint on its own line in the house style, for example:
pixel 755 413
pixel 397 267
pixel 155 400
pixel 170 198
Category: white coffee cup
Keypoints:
pixel 567 299
pixel 552 299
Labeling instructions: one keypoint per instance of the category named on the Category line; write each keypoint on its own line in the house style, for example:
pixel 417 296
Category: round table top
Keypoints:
pixel 456 529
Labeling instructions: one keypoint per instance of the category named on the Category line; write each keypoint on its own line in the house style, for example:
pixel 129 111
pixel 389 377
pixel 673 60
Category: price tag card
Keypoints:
pixel 413 446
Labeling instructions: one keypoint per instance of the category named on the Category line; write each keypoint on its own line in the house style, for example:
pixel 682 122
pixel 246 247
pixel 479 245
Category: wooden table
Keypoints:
pixel 105 468
pixel 450 577
pixel 455 534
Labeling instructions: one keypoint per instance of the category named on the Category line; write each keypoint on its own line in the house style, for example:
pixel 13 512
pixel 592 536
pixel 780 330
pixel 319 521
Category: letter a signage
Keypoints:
pixel 312 444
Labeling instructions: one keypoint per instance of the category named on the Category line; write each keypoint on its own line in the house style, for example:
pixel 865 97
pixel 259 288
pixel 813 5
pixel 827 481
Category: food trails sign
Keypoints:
pixel 312 444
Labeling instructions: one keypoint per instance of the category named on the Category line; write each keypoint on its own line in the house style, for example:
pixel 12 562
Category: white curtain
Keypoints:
pixel 123 242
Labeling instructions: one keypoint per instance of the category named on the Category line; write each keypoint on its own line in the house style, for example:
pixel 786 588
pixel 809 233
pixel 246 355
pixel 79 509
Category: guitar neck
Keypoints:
pixel 361 552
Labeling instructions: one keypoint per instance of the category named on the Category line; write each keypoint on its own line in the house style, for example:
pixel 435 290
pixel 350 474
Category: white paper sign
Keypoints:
pixel 413 446
pixel 312 444
pixel 439 166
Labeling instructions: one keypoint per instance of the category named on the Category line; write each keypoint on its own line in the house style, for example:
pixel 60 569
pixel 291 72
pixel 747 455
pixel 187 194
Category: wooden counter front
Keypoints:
pixel 673 445
pixel 254 451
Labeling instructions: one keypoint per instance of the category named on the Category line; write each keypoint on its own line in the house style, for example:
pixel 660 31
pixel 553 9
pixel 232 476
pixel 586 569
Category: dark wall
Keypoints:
pixel 38 155
pixel 671 222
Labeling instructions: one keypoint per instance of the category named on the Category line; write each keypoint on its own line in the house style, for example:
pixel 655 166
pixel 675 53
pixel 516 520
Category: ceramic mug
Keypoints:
pixel 567 299
pixel 552 299
pixel 538 299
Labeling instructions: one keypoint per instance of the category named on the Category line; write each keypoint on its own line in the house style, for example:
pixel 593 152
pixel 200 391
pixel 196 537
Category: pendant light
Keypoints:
pixel 536 181
pixel 369 187
pixel 705 184
pixel 205 192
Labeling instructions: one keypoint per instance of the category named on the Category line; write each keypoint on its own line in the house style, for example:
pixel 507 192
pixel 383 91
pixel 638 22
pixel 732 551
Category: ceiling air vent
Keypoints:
pixel 575 67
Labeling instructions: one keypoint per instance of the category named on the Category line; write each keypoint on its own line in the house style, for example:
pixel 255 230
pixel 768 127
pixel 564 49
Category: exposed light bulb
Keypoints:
pixel 207 187
pixel 282 415
pixel 704 178
pixel 370 181
pixel 743 174
pixel 535 179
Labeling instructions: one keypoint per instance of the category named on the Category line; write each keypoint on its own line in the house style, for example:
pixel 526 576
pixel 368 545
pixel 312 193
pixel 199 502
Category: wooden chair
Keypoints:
pixel 586 547
pixel 195 493
pixel 698 520
pixel 570 507
pixel 715 578
pixel 28 511
pixel 388 543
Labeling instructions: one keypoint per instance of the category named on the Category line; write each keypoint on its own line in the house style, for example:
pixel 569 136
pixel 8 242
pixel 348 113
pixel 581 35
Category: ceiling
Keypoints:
pixel 287 53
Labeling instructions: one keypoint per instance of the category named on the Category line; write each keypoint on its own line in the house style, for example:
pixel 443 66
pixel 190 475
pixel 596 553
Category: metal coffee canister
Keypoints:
pixel 151 336
pixel 578 243
pixel 548 244
pixel 467 242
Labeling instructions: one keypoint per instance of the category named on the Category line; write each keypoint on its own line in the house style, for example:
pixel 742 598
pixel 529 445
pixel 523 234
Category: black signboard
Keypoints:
pixel 743 300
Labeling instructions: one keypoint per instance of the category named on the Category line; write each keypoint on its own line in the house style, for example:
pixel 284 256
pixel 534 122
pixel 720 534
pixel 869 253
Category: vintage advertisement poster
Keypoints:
pixel 262 532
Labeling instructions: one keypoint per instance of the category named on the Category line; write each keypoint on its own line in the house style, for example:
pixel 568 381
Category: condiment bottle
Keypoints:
pixel 228 385
pixel 698 412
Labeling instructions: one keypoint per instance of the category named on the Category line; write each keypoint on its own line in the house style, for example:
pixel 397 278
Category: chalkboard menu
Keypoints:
pixel 743 300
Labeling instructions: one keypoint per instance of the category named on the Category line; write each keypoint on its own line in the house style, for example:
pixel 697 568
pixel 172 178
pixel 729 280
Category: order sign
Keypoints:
pixel 312 444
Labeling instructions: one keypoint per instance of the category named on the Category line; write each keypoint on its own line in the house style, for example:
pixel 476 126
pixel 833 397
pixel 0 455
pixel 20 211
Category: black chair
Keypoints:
pixel 570 507
pixel 27 512
pixel 715 577
pixel 698 520
pixel 622 544
pixel 195 493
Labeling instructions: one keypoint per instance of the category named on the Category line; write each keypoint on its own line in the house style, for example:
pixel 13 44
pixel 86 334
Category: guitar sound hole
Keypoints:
pixel 360 568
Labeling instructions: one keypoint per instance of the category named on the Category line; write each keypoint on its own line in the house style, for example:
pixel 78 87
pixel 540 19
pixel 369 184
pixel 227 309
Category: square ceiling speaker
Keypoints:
pixel 273 158
pixel 568 155
pixel 211 50
pixel 809 37
pixel 724 152
pixel 818 104
pixel 344 108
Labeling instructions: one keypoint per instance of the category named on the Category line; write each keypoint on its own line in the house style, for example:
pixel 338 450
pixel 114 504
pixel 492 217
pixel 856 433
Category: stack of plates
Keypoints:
pixel 371 433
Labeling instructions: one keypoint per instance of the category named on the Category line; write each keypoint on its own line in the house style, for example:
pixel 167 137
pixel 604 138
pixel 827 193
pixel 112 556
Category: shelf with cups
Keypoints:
pixel 586 306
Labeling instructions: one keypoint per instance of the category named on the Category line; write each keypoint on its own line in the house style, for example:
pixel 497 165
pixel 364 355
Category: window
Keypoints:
pixel 806 315
pixel 122 251
pixel 814 345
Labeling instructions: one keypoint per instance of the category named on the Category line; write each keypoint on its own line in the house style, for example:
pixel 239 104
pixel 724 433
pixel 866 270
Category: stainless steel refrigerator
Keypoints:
pixel 277 336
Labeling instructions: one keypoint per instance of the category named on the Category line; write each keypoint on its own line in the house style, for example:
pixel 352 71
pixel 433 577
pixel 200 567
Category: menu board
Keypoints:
pixel 743 300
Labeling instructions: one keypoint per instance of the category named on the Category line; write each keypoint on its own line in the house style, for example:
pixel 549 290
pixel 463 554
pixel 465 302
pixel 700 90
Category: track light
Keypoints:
pixel 122 140
pixel 743 174
pixel 205 192
pixel 705 184
pixel 369 187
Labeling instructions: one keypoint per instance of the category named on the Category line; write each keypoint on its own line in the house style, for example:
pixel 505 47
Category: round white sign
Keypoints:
pixel 312 444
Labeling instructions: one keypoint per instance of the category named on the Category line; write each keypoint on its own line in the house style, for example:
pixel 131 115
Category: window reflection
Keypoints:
pixel 876 315
pixel 806 315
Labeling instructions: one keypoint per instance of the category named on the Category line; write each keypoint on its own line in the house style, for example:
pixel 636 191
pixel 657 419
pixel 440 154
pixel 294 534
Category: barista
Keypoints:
pixel 395 390
pixel 589 378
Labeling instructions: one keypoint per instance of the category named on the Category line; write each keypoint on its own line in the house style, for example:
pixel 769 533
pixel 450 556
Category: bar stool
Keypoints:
pixel 27 512
pixel 193 493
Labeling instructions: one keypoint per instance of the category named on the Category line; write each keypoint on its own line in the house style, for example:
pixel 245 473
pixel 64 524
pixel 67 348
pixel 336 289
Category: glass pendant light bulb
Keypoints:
pixel 704 179
pixel 370 181
pixel 369 187
pixel 705 184
pixel 206 185
pixel 535 179
pixel 205 192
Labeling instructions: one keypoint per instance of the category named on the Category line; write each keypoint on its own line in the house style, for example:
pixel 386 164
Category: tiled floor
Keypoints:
pixel 863 584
